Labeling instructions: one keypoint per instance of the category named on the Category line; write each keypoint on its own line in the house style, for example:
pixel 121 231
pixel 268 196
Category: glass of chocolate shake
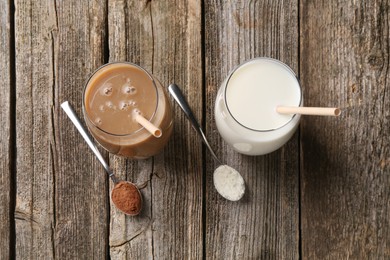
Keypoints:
pixel 113 95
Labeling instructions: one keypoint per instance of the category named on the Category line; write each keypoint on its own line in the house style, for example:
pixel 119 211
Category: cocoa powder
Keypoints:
pixel 127 198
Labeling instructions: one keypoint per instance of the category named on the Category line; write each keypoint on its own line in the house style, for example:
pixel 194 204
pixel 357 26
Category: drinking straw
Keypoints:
pixel 148 125
pixel 318 111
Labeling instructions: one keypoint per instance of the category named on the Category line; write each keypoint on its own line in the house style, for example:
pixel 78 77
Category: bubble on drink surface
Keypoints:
pixel 133 103
pixel 137 111
pixel 102 108
pixel 98 121
pixel 110 105
pixel 124 105
pixel 129 89
pixel 106 89
pixel 128 80
pixel 134 113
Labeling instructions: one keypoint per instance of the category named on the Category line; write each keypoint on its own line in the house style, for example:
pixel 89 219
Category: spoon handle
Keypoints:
pixel 178 96
pixel 76 121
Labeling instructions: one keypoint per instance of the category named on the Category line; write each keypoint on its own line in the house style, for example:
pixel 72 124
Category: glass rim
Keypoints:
pixel 252 60
pixel 86 116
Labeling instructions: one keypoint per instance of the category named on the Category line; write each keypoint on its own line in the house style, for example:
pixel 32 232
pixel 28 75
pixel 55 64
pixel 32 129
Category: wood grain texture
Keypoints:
pixel 165 38
pixel 346 162
pixel 34 213
pixel 334 173
pixel 5 137
pixel 81 185
pixel 265 223
pixel 61 207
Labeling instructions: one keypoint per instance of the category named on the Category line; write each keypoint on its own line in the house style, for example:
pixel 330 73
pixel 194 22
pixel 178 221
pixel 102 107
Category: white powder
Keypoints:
pixel 229 183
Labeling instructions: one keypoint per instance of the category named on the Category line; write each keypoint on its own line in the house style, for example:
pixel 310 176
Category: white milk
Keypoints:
pixel 245 108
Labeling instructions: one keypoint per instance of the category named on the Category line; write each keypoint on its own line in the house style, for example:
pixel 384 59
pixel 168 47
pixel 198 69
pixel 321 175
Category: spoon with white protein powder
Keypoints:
pixel 227 181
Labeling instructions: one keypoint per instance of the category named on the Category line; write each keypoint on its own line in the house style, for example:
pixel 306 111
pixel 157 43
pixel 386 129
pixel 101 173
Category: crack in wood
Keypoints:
pixel 124 243
pixel 19 215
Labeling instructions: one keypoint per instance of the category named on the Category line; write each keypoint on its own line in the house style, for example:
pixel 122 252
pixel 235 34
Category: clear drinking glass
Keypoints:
pixel 111 95
pixel 245 107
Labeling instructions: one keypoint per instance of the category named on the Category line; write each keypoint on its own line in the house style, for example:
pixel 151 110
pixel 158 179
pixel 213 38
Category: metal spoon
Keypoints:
pixel 239 181
pixel 76 121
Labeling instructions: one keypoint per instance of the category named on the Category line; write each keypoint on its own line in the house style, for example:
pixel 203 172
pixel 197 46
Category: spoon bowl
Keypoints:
pixel 121 188
pixel 126 189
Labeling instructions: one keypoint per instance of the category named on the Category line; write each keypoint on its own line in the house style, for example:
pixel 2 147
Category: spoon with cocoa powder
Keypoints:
pixel 125 195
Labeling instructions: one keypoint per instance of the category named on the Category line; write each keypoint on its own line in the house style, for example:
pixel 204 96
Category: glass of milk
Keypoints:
pixel 245 107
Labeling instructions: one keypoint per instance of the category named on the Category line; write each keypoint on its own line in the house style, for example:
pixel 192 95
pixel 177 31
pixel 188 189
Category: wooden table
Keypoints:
pixel 324 195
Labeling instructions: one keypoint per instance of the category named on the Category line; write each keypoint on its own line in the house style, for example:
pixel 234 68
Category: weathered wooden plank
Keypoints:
pixel 62 200
pixel 81 185
pixel 265 223
pixel 164 37
pixel 34 213
pixel 5 137
pixel 130 38
pixel 346 161
pixel 177 181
